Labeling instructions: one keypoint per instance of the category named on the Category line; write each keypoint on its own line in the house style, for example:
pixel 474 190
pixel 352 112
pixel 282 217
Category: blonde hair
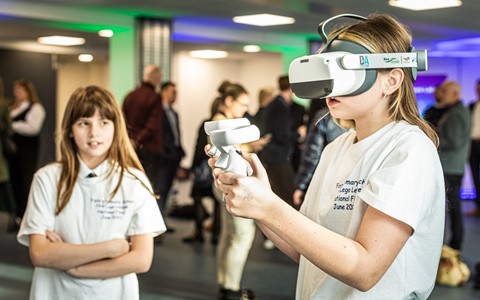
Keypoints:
pixel 83 103
pixel 382 33
pixel 264 96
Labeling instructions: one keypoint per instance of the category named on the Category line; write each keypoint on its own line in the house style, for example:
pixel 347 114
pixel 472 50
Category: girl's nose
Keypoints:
pixel 93 130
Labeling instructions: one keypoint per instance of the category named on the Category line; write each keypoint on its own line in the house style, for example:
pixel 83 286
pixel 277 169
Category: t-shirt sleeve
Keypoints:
pixel 406 181
pixel 40 213
pixel 147 217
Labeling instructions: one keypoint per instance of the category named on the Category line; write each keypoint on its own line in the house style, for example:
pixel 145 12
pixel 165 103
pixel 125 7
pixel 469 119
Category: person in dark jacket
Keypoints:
pixel 475 152
pixel 172 152
pixel 202 188
pixel 143 114
pixel 322 131
pixel 453 130
pixel 277 155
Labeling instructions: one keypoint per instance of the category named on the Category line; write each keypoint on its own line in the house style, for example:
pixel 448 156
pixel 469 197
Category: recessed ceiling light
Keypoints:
pixel 85 57
pixel 209 54
pixel 424 4
pixel 251 48
pixel 263 20
pixel 59 40
pixel 106 33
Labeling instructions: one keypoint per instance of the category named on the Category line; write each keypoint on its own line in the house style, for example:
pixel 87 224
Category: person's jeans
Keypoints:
pixel 452 189
pixel 236 239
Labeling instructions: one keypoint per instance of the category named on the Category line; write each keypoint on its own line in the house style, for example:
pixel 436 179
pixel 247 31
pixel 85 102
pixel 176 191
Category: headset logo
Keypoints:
pixel 364 61
pixel 392 60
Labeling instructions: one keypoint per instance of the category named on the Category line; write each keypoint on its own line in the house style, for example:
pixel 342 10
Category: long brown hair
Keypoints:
pixel 382 33
pixel 82 104
pixel 30 88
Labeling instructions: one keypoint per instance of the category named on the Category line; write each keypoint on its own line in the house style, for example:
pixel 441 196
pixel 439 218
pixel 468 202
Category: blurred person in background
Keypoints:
pixel 202 186
pixel 321 132
pixel 453 129
pixel 172 150
pixel 237 234
pixel 28 115
pixel 7 201
pixel 143 113
pixel 265 96
pixel 475 151
pixel 277 155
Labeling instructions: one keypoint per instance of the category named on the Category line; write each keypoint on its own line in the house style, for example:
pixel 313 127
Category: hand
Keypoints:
pixel 118 247
pixel 53 237
pixel 72 272
pixel 182 174
pixel 298 197
pixel 302 133
pixel 247 196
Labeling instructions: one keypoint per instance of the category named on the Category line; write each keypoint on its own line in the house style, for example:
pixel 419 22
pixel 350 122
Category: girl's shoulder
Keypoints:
pixel 53 167
pixel 49 172
pixel 134 178
pixel 411 135
pixel 135 174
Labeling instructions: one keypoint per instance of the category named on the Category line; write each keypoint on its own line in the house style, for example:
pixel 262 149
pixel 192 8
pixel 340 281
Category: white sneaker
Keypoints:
pixel 268 245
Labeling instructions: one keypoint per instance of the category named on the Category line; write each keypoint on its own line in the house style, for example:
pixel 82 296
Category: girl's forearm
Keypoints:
pixel 64 256
pixel 137 260
pixel 359 263
pixel 279 242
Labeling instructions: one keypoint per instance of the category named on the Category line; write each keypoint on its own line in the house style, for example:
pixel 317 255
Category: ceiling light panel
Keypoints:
pixel 208 54
pixel 424 4
pixel 85 57
pixel 263 20
pixel 105 33
pixel 251 48
pixel 59 40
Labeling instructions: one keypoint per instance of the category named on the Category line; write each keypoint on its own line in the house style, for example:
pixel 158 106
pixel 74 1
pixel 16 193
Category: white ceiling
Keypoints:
pixel 22 21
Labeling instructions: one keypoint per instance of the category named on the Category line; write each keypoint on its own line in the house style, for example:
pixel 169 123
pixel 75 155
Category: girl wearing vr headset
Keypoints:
pixel 371 225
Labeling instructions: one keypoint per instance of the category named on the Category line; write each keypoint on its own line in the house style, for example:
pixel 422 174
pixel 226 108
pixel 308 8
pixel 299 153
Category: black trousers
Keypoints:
pixel 281 176
pixel 475 167
pixel 452 189
pixel 7 200
pixel 165 175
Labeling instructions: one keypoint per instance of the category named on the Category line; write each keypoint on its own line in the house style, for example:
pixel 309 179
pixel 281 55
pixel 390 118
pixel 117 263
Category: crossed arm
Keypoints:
pixel 107 259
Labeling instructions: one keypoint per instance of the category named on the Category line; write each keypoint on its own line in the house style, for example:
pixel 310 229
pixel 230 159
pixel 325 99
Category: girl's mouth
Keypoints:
pixel 332 101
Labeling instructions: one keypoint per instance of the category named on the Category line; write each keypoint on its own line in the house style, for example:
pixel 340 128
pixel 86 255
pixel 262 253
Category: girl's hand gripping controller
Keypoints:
pixel 224 135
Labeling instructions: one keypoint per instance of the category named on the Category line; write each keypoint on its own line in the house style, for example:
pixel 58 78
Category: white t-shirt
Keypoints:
pixel 89 217
pixel 397 171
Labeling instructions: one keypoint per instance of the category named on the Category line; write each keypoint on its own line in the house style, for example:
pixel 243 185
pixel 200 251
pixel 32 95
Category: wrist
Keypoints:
pixel 272 203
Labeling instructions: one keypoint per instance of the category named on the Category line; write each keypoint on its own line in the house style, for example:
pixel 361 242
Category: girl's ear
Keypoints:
pixel 393 80
pixel 228 101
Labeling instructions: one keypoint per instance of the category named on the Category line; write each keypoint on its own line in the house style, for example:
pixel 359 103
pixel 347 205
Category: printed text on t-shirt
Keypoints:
pixel 347 192
pixel 111 210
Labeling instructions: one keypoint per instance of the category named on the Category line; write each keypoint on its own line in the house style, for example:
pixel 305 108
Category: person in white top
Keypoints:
pixel 91 216
pixel 28 115
pixel 372 223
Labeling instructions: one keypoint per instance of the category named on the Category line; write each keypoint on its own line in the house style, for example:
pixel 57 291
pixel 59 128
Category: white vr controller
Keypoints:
pixel 224 135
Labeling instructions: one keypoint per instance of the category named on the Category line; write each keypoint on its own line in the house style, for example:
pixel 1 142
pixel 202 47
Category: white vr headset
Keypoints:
pixel 345 68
